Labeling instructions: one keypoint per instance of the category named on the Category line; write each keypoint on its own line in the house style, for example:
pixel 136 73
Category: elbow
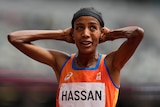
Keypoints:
pixel 13 38
pixel 139 32
pixel 10 38
pixel 136 33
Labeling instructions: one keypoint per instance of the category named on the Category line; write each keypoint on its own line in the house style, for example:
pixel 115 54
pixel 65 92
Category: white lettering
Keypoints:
pixel 81 95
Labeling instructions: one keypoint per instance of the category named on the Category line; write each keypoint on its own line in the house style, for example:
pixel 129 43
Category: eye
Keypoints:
pixel 79 27
pixel 92 28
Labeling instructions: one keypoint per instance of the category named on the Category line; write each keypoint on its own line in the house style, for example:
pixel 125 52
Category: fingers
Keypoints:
pixel 105 35
pixel 105 30
pixel 68 31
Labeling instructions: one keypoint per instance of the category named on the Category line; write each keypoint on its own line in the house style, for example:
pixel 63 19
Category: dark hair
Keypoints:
pixel 88 12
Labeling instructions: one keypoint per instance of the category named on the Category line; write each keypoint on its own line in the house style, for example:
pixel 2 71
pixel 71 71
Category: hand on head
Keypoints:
pixel 105 31
pixel 68 35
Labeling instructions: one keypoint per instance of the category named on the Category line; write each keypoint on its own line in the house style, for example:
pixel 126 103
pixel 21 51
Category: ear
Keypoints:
pixel 72 35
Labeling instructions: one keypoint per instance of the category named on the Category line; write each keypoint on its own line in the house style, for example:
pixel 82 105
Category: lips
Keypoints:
pixel 86 43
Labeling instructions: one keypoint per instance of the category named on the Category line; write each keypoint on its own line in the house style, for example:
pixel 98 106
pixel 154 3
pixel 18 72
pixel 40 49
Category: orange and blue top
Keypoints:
pixel 86 87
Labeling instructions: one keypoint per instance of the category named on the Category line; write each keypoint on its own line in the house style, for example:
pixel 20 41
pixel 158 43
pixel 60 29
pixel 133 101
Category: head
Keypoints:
pixel 88 12
pixel 87 24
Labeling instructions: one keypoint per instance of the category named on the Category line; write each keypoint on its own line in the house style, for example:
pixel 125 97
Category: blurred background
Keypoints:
pixel 27 83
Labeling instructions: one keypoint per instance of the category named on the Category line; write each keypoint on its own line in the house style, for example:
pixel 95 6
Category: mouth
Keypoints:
pixel 86 43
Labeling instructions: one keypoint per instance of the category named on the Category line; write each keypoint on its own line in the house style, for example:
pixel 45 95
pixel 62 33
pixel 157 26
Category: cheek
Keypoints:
pixel 97 37
pixel 76 36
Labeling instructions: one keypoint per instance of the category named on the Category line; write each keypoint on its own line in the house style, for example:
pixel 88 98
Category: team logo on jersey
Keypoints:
pixel 98 77
pixel 68 76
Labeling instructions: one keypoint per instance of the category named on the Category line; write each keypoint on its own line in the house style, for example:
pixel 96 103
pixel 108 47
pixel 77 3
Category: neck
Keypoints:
pixel 86 60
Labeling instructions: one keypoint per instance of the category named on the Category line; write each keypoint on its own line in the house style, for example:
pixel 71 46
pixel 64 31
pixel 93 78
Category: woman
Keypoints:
pixel 86 78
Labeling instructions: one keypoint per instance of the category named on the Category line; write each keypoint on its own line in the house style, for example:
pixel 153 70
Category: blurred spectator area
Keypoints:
pixel 26 91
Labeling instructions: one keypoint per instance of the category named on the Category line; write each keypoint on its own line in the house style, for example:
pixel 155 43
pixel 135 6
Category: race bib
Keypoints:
pixel 82 95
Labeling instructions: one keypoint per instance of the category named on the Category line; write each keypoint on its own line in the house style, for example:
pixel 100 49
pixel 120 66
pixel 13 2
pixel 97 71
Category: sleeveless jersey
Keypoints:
pixel 86 87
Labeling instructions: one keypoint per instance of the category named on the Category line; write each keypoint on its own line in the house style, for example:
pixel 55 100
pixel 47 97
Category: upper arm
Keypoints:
pixel 53 58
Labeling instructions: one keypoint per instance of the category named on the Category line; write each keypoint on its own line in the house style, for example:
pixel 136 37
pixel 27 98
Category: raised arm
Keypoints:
pixel 22 41
pixel 117 59
pixel 134 36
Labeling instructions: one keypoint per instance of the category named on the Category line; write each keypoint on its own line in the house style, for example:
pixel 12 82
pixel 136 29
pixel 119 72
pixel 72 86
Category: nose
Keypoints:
pixel 86 33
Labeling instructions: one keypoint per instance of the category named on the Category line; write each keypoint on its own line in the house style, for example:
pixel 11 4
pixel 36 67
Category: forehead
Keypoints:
pixel 86 20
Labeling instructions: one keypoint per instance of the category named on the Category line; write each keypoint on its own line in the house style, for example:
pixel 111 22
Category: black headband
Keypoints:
pixel 88 12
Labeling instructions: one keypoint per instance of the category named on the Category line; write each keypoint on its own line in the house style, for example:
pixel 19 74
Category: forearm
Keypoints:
pixel 27 36
pixel 126 32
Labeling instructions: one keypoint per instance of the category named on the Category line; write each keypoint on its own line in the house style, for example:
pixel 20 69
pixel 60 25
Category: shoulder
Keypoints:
pixel 110 61
pixel 59 59
pixel 114 72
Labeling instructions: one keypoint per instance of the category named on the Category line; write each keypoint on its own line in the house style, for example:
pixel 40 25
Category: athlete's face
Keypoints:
pixel 86 33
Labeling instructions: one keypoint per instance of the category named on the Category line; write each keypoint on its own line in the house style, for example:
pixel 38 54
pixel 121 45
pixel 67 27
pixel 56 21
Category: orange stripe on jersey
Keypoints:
pixel 86 87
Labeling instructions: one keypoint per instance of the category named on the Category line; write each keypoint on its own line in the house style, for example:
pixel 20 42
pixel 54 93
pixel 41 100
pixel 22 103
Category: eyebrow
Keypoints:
pixel 95 23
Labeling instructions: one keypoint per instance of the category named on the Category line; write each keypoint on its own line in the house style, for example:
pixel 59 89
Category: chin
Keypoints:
pixel 87 51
